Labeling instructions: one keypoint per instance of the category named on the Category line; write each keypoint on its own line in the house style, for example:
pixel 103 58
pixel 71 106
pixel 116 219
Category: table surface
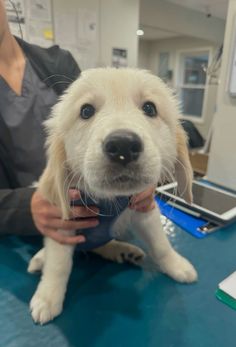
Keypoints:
pixel 116 305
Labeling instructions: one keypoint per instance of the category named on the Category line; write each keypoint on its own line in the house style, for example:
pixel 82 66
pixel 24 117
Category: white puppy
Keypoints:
pixel 113 133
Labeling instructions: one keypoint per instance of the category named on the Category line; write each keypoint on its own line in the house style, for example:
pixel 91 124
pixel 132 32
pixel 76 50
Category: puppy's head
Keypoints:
pixel 114 132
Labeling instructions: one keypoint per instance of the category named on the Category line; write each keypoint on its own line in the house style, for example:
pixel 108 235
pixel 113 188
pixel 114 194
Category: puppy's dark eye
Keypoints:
pixel 87 111
pixel 149 109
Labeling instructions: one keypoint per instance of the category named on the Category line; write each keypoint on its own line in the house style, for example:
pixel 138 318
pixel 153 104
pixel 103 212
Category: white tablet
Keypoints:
pixel 209 201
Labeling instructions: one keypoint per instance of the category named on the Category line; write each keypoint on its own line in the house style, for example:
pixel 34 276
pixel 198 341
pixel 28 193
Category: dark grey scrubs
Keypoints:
pixel 24 116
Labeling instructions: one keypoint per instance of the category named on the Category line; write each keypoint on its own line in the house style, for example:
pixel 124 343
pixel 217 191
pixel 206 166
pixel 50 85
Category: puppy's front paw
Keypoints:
pixel 178 268
pixel 44 309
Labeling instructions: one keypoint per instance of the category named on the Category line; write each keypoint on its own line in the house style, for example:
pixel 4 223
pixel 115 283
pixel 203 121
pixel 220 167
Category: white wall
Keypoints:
pixel 222 164
pixel 65 18
pixel 173 18
pixel 149 58
pixel 144 55
pixel 117 23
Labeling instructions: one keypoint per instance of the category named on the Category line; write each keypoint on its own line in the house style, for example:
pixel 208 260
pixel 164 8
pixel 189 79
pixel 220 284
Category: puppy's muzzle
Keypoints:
pixel 122 146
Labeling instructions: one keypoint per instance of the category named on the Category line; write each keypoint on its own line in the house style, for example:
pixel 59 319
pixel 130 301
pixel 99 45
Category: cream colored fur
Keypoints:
pixel 76 158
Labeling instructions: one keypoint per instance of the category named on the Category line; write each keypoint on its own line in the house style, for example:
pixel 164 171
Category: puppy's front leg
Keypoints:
pixel 148 226
pixel 48 299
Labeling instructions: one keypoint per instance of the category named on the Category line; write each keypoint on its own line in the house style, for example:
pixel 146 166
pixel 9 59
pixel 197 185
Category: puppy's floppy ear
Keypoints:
pixel 183 168
pixel 52 182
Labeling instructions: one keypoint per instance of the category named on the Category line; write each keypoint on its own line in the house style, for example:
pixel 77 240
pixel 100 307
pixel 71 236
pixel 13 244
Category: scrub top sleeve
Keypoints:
pixel 15 213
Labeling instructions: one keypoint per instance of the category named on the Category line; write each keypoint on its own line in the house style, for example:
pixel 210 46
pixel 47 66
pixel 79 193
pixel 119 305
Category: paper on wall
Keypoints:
pixel 16 17
pixel 65 29
pixel 86 26
pixel 119 57
pixel 77 32
pixel 15 11
pixel 41 33
pixel 39 10
pixel 84 57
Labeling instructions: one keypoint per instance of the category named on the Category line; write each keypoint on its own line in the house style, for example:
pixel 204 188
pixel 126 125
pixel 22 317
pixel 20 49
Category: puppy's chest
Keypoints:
pixel 109 211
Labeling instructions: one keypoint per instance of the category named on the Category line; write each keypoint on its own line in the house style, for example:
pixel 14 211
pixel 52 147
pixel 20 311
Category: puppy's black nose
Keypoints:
pixel 123 146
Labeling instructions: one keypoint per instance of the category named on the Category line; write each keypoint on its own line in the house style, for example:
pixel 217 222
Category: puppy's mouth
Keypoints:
pixel 122 179
pixel 113 179
pixel 124 182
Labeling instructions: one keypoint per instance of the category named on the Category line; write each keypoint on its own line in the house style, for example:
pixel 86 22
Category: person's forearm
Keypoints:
pixel 15 213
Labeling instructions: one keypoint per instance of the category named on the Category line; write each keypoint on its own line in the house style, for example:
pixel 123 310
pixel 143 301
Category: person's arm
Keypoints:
pixel 24 211
pixel 48 219
pixel 16 216
pixel 15 213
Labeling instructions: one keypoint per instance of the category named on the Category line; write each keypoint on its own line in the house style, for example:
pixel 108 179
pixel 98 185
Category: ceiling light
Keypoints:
pixel 140 32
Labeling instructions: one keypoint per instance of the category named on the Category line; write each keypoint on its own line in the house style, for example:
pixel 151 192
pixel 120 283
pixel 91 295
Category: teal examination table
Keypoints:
pixel 112 305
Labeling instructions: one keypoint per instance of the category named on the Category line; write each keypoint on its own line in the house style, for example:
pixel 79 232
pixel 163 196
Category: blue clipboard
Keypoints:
pixel 186 221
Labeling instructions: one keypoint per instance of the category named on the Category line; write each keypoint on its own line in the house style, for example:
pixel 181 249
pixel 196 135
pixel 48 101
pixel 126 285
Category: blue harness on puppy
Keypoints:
pixel 109 211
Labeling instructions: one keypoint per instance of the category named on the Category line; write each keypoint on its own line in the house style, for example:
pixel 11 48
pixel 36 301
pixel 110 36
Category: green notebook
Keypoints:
pixel 226 291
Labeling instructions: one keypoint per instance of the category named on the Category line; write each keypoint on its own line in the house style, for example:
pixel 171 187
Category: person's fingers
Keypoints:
pixel 145 205
pixel 147 208
pixel 79 224
pixel 78 211
pixel 142 196
pixel 84 212
pixel 51 211
pixel 142 203
pixel 62 239
pixel 70 224
pixel 74 194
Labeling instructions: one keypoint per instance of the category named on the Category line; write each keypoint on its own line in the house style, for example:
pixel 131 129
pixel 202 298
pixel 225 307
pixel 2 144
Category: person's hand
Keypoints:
pixel 143 202
pixel 48 218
